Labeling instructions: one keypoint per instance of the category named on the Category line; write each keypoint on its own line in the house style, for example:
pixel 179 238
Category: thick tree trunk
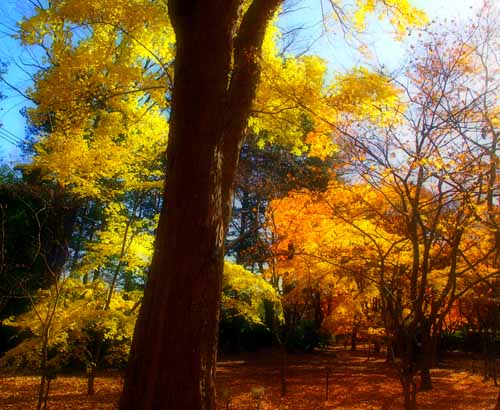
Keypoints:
pixel 172 360
pixel 173 354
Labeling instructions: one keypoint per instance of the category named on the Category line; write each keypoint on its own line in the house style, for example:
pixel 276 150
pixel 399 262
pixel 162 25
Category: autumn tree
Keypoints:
pixel 210 107
pixel 33 257
pixel 431 160
pixel 353 242
pixel 264 174
pixel 303 283
pixel 479 127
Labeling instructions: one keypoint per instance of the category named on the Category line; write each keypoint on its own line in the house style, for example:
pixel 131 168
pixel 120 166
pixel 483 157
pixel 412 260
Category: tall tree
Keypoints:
pixel 216 72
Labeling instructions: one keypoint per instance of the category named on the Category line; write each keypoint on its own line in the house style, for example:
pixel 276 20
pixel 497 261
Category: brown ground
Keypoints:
pixel 355 384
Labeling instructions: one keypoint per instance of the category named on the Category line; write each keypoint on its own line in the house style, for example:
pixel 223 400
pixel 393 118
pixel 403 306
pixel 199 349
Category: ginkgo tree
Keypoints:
pixel 111 70
pixel 244 294
pixel 120 255
pixel 123 247
pixel 102 136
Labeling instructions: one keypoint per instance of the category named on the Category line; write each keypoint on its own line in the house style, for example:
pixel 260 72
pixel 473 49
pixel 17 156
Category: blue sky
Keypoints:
pixel 332 46
pixel 307 14
pixel 10 51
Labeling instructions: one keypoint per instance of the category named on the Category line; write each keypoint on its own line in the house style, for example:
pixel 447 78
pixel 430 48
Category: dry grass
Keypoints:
pixel 355 383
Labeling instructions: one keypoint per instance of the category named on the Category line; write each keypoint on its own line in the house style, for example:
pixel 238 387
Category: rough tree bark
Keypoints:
pixel 173 354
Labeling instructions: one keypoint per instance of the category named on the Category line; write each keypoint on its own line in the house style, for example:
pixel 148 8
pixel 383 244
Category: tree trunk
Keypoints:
pixel 426 362
pixel 408 384
pixel 409 392
pixel 406 367
pixel 173 353
pixel 46 398
pixel 91 370
pixel 425 379
pixel 172 359
pixel 389 355
pixel 354 338
pixel 42 391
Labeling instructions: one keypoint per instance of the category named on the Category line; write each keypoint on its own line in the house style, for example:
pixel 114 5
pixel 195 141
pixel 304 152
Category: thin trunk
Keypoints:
pixel 354 338
pixel 409 389
pixel 41 392
pixel 90 379
pixel 243 231
pixel 94 365
pixel 47 374
pixel 426 361
pixel 425 379
pixel 406 367
pixel 46 398
pixel 389 358
pixel 78 246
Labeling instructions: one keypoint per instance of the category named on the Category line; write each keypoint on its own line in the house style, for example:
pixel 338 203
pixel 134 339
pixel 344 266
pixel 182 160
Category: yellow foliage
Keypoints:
pixel 294 91
pixel 125 242
pixel 79 312
pixel 244 294
pixel 364 95
pixel 100 104
pixel 401 14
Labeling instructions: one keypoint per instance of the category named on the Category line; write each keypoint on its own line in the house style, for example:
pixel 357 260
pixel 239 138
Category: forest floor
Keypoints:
pixel 355 383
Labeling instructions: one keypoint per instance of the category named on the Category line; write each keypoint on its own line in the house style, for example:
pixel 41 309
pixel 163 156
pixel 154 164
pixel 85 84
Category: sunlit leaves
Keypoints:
pixel 100 101
pixel 401 14
pixel 364 95
pixel 79 314
pixel 125 243
pixel 244 294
